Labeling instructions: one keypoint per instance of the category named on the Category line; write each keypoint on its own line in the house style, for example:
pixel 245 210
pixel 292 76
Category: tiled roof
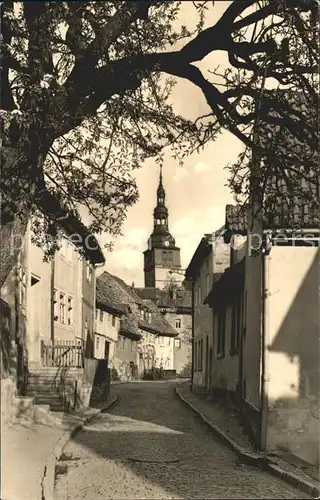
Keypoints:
pixel 291 197
pixel 277 215
pixel 182 300
pixel 148 293
pixel 158 323
pixel 114 294
pixel 106 297
pixel 10 242
pixel 164 300
pixel 237 219
pixel 115 291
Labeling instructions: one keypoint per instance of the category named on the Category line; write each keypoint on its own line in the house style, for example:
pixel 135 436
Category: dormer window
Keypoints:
pixel 149 317
pixel 142 314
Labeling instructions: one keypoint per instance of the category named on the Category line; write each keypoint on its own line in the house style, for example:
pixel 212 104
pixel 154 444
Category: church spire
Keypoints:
pixel 161 194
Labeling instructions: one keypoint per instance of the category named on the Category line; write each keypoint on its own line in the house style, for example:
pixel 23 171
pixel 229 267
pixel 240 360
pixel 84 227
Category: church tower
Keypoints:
pixel 162 255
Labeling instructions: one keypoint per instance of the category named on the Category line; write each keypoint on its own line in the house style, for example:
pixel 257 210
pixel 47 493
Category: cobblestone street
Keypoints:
pixel 150 446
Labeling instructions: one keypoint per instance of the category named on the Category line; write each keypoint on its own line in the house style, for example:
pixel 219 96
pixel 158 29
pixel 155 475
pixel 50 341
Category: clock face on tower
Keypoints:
pixel 166 243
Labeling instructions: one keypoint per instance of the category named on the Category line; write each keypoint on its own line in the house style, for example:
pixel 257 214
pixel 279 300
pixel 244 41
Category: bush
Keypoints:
pixel 114 376
pixel 153 374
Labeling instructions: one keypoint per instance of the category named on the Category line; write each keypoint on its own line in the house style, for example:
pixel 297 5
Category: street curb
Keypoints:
pixel 254 459
pixel 49 468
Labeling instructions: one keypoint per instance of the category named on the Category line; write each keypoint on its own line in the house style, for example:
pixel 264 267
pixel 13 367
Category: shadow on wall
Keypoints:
pixel 294 422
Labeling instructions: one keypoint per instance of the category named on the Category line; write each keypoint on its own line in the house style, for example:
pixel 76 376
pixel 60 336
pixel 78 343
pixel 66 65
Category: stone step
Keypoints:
pixel 54 369
pixel 47 398
pixel 48 378
pixel 24 407
pixel 43 415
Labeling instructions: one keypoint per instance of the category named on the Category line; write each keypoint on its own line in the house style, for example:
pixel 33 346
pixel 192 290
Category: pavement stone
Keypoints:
pixel 225 423
pixel 28 454
pixel 151 446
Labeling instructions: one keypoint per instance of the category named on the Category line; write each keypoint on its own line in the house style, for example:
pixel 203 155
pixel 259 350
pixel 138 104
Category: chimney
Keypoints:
pixel 132 286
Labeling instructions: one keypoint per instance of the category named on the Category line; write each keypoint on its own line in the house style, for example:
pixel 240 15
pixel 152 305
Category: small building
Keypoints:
pixel 210 259
pixel 266 324
pixel 132 327
pixel 174 302
pixel 48 306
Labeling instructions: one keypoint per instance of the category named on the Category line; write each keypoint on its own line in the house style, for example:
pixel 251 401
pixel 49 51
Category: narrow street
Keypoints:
pixel 150 446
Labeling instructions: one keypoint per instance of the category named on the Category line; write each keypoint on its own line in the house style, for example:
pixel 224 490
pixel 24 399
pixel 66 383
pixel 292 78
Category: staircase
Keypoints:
pixel 53 387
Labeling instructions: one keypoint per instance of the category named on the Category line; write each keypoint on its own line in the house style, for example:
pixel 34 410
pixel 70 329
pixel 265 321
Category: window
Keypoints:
pixel 86 329
pixel 101 315
pixel 196 356
pixel 178 323
pixel 62 308
pixel 158 222
pixel 164 255
pixel 169 255
pixel 236 324
pixel 89 272
pixel 97 342
pixel 133 345
pixel 177 343
pixel 55 305
pixel 149 317
pixel 113 321
pixel 142 314
pixel 200 355
pixel 221 333
pixel 161 200
pixel 70 310
pixel 97 312
pixel 233 328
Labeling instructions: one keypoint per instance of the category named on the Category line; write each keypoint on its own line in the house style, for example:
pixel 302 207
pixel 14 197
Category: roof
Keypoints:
pixel 227 286
pixel 106 297
pixel 158 323
pixel 115 295
pixel 164 299
pixel 10 233
pixel 113 292
pixel 278 216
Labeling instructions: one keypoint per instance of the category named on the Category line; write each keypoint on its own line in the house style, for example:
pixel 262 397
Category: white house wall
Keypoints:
pixel 293 350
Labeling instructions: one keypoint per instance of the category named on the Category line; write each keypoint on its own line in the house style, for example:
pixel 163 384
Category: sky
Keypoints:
pixel 196 193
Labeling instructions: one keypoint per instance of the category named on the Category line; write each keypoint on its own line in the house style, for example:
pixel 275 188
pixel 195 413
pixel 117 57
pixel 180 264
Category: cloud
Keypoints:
pixel 201 166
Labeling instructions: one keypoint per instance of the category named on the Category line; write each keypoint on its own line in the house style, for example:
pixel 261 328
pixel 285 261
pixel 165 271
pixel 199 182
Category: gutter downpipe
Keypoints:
pixel 264 342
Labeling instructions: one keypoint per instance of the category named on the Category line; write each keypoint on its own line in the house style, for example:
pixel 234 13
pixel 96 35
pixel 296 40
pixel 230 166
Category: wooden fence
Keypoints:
pixel 69 353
